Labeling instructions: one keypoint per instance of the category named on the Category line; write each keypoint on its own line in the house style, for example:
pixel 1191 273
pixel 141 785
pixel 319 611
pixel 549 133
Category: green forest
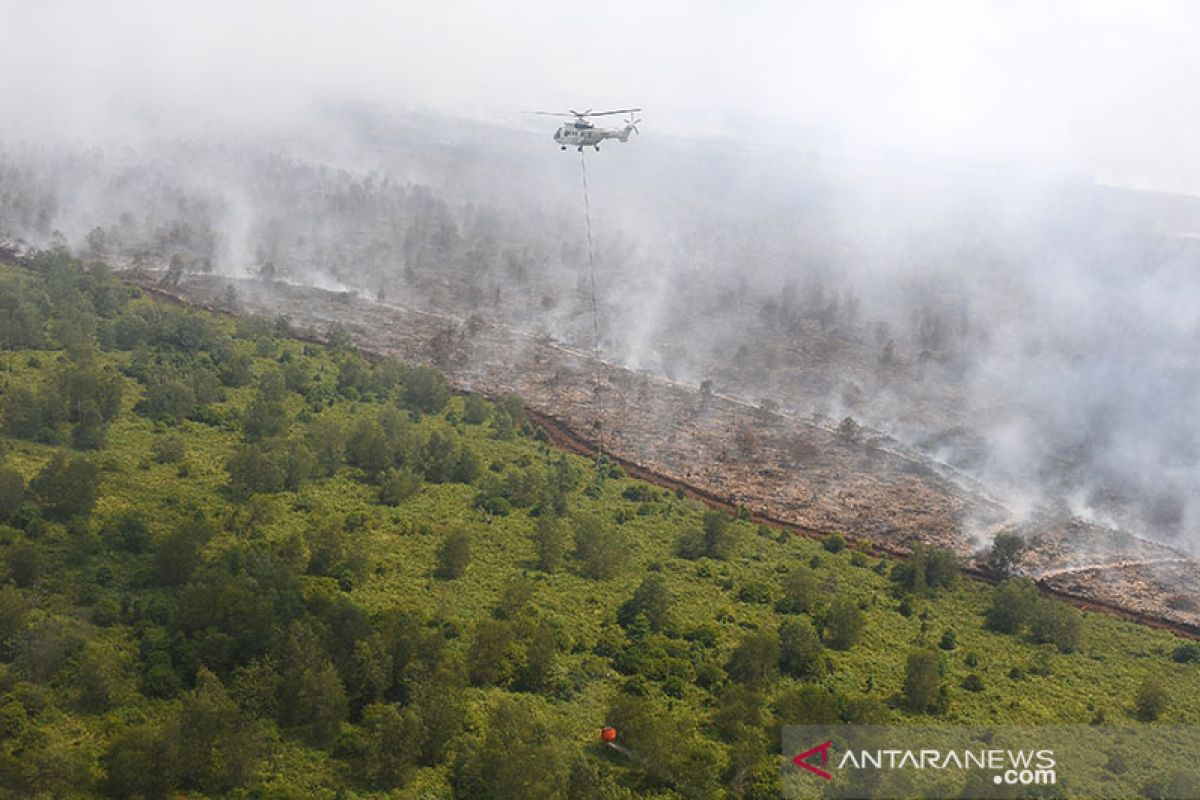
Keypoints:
pixel 237 563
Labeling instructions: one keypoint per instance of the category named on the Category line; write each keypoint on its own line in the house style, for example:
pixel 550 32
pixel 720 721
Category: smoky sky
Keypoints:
pixel 1092 87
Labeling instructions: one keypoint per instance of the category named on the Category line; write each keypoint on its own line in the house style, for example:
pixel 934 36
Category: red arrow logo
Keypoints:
pixel 823 749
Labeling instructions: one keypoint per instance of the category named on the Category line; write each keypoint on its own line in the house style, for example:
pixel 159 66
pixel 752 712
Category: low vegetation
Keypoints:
pixel 236 563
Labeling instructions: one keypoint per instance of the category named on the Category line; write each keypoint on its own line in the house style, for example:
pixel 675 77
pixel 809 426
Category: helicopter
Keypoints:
pixel 581 133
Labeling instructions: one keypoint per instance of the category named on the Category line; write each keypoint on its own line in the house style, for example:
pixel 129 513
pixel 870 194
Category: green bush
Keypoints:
pixel 801 592
pixel 716 538
pixel 1186 653
pixel 254 470
pixel 1013 605
pixel 180 553
pixel 844 622
pixel 397 485
pixel 1005 554
pixel 497 505
pixel 809 704
pixel 327 442
pixel 652 600
pixel 368 448
pixel 66 488
pixel 454 555
pixel 755 591
pixel 800 650
pixel 24 564
pixel 12 493
pixel 926 570
pixel 476 410
pixel 167 400
pixel 601 548
pixel 425 390
pixel 923 691
pixel 169 449
pixel 1151 699
pixel 834 543
pixel 1058 624
pixel 755 660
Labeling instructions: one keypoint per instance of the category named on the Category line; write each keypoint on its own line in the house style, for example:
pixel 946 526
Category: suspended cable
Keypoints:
pixel 587 216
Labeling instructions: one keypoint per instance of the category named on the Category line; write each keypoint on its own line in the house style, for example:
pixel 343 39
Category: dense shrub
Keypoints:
pixel 801 592
pixel 926 570
pixel 1013 605
pixel 550 539
pixel 12 493
pixel 66 488
pixel 601 548
pixel 1005 553
pixel 368 448
pixel 800 649
pixel 755 591
pixel 167 400
pixel 327 442
pixel 454 555
pixel 755 660
pixel 651 600
pixel 397 485
pixel 168 449
pixel 1058 624
pixel 425 390
pixel 180 553
pixel 843 624
pixel 1186 653
pixel 1151 699
pixel 476 410
pixel 716 538
pixel 923 690
pixel 834 543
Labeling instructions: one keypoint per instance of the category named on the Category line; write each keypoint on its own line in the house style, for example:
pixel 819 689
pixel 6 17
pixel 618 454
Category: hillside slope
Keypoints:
pixel 237 563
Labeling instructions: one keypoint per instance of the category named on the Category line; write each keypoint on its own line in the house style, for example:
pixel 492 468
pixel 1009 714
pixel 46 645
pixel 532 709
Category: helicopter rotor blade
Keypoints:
pixel 583 114
pixel 616 111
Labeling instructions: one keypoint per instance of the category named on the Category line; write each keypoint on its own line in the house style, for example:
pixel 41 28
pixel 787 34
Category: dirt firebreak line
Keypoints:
pixel 566 438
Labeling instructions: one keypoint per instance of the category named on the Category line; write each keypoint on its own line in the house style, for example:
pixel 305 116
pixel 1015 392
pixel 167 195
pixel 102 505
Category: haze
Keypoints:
pixel 1101 89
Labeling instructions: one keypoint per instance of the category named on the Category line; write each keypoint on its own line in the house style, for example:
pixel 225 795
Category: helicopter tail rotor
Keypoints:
pixel 631 124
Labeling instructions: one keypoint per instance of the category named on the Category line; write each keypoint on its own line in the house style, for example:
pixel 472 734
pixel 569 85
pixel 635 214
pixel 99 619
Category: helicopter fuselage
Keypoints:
pixel 580 136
